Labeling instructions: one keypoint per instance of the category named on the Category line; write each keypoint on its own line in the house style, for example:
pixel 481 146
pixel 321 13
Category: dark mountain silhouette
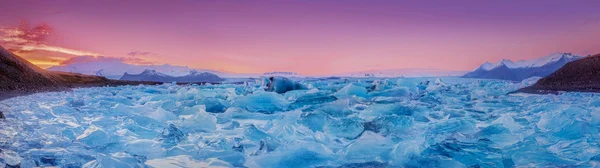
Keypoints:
pixel 501 72
pixel 154 76
pixel 581 76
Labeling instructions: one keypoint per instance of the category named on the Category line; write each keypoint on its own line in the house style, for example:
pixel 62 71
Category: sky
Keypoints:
pixel 311 37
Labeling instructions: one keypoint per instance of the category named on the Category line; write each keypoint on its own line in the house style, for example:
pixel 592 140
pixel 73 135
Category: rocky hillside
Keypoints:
pixel 17 73
pixel 581 75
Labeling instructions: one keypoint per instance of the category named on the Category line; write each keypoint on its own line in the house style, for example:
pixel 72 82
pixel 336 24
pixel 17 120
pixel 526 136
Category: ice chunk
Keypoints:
pixel 235 158
pixel 199 122
pixel 438 84
pixel 369 147
pixel 577 150
pixel 119 159
pixel 62 110
pixel 169 105
pixel 438 81
pixel 256 134
pixel 263 102
pixel 121 110
pixel 280 84
pixel 407 149
pixel 76 102
pixel 410 84
pixel 390 124
pixel 314 121
pixel 499 134
pixel 508 122
pixel 337 108
pixel 171 136
pixel 394 92
pixel 94 137
pixel 348 128
pixel 185 149
pixel 10 158
pixel 190 110
pixel 351 90
pixel 530 81
pixel 214 105
pixel 313 98
pixel 46 157
pixel 186 161
pixel 385 110
pixel 142 147
pixel 298 155
pixel 161 115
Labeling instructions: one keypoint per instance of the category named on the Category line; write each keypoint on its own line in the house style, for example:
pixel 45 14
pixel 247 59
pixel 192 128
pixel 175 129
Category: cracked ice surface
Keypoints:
pixel 408 122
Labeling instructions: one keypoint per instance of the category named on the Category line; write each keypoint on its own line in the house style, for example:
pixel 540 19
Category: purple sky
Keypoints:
pixel 309 37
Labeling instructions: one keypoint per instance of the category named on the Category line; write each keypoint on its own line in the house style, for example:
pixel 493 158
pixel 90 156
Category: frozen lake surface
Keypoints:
pixel 450 122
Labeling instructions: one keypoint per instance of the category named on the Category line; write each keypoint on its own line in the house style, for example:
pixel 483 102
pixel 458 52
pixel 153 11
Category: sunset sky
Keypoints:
pixel 310 36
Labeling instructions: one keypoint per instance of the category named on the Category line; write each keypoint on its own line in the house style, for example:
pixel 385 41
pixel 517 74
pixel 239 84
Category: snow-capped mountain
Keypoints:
pixel 403 73
pixel 114 68
pixel 195 76
pixel 523 69
pixel 154 76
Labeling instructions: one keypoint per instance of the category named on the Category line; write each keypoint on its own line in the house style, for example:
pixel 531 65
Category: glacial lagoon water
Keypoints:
pixel 405 122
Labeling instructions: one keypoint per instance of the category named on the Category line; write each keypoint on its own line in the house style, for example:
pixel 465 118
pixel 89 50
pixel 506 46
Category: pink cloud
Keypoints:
pixel 129 60
pixel 26 39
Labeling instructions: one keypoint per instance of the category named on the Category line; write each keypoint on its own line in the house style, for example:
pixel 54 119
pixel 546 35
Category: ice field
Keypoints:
pixel 405 122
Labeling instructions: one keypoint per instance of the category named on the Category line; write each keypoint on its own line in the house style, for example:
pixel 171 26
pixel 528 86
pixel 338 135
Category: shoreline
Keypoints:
pixel 536 90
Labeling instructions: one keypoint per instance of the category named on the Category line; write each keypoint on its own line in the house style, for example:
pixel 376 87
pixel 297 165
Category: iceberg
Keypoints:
pixel 280 84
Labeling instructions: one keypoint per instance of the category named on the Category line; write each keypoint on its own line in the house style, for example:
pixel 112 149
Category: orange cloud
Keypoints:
pixel 57 49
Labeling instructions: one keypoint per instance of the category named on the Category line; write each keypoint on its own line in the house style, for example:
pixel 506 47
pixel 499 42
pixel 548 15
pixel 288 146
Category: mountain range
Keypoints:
pixel 154 76
pixel 114 68
pixel 390 73
pixel 523 69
